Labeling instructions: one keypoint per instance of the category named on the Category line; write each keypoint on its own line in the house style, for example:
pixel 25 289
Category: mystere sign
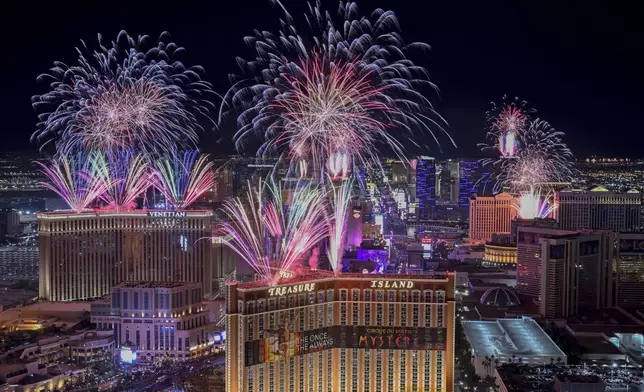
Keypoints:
pixel 284 345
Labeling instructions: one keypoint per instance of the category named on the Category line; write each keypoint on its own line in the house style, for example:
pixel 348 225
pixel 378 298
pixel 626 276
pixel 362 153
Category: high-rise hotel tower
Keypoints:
pixel 353 332
pixel 83 255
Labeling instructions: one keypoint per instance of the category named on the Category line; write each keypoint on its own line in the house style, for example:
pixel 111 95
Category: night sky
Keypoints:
pixel 580 66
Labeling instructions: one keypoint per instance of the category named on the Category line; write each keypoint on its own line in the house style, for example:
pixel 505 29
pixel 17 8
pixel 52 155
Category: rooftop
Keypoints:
pixel 105 211
pixel 157 284
pixel 310 276
pixel 507 337
pixel 597 345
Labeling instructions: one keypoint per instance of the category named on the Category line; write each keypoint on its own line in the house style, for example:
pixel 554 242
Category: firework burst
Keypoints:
pixel 339 212
pixel 74 180
pixel 127 175
pixel 531 205
pixel 507 121
pixel 271 236
pixel 182 178
pixel 328 90
pixel 125 95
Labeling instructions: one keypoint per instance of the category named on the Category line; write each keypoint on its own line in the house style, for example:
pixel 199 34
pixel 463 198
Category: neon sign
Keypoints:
pixel 392 284
pixel 167 214
pixel 294 289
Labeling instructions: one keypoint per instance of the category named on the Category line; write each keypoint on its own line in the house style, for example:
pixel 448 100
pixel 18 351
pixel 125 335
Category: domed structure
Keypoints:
pixel 500 297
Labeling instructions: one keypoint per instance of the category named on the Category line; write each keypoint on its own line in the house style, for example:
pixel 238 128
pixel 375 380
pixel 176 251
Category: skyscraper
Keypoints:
pixel 564 270
pixel 447 181
pixel 471 171
pixel 426 188
pixel 629 268
pixel 83 255
pixel 9 222
pixel 599 209
pixel 491 215
pixel 353 332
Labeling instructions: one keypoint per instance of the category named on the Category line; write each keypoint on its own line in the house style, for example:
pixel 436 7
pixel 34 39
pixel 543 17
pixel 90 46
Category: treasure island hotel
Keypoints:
pixel 83 255
pixel 353 332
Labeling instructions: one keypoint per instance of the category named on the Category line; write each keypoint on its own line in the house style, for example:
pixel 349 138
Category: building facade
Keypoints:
pixel 599 209
pixel 83 255
pixel 491 215
pixel 426 188
pixel 629 269
pixel 471 180
pixel 9 223
pixel 565 271
pixel 354 332
pixel 156 319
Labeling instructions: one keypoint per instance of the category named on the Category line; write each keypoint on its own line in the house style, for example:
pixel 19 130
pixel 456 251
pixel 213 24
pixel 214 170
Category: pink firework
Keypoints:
pixel 127 175
pixel 329 111
pixel 271 236
pixel 74 180
pixel 511 119
pixel 183 179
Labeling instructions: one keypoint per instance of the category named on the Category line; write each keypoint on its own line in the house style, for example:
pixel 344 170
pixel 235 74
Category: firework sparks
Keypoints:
pixel 544 158
pixel 540 156
pixel 269 235
pixel 183 178
pixel 339 208
pixel 73 179
pixel 531 205
pixel 127 175
pixel 350 89
pixel 507 121
pixel 122 96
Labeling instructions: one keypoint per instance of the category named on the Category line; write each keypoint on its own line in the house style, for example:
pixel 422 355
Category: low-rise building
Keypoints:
pixel 157 319
pixel 509 340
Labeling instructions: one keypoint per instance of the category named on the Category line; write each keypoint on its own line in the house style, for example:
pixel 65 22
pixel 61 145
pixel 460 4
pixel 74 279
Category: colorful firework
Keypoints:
pixel 543 158
pixel 73 179
pixel 127 174
pixel 125 95
pixel 326 90
pixel 339 207
pixel 271 236
pixel 507 121
pixel 182 178
pixel 531 205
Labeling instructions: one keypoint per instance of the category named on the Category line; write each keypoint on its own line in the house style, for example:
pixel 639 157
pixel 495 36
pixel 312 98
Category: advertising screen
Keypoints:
pixel 631 245
pixel 128 355
pixel 282 344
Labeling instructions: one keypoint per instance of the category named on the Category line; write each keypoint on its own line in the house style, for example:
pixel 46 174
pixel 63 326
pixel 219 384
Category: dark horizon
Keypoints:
pixel 578 66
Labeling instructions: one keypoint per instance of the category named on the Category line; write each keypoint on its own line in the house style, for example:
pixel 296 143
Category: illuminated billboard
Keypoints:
pixel 128 355
pixel 631 245
pixel 282 344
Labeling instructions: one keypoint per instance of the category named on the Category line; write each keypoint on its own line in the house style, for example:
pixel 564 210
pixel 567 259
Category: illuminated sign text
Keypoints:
pixel 294 289
pixel 392 284
pixel 167 214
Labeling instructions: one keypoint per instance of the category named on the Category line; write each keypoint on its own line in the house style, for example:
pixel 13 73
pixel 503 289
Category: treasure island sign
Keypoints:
pixel 392 284
pixel 292 289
